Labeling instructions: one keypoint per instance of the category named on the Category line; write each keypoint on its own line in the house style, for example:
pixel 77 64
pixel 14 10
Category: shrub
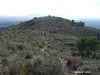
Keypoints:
pixel 53 69
pixel 69 44
pixel 87 45
pixel 44 73
pixel 37 62
pixel 10 46
pixel 13 72
pixel 99 68
pixel 20 46
pixel 20 70
pixel 28 68
pixel 72 64
pixel 41 45
pixel 5 70
pixel 53 31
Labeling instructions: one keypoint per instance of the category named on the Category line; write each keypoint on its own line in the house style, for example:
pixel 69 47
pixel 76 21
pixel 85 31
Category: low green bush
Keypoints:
pixel 41 45
pixel 69 44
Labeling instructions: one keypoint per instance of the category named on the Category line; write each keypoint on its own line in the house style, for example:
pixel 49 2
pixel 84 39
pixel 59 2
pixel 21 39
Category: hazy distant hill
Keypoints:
pixel 17 18
pixel 9 23
pixel 6 21
pixel 12 18
pixel 91 22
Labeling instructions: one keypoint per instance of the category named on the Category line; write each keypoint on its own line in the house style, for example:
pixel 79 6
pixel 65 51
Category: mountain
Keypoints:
pixel 45 46
pixel 59 25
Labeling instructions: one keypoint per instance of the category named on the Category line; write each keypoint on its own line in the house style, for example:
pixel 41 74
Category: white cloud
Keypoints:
pixel 65 8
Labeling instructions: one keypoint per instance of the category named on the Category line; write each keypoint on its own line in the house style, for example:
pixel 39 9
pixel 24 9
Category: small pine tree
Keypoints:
pixel 87 45
pixel 72 22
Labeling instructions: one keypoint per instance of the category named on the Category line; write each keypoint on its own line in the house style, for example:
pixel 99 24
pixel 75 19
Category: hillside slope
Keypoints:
pixel 41 46
pixel 59 25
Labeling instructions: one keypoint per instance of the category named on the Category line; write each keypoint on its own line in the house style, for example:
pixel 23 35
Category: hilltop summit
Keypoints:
pixel 59 25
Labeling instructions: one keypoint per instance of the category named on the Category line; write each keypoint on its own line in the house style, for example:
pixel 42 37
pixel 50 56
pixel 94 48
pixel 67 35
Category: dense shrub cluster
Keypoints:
pixel 87 46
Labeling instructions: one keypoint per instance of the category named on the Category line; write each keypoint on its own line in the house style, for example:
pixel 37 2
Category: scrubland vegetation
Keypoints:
pixel 48 46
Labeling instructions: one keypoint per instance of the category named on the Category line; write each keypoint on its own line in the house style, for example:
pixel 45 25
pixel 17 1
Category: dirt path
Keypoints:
pixel 62 61
pixel 43 48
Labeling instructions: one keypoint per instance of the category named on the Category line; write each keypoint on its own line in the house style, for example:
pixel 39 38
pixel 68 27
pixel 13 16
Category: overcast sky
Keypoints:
pixel 62 8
